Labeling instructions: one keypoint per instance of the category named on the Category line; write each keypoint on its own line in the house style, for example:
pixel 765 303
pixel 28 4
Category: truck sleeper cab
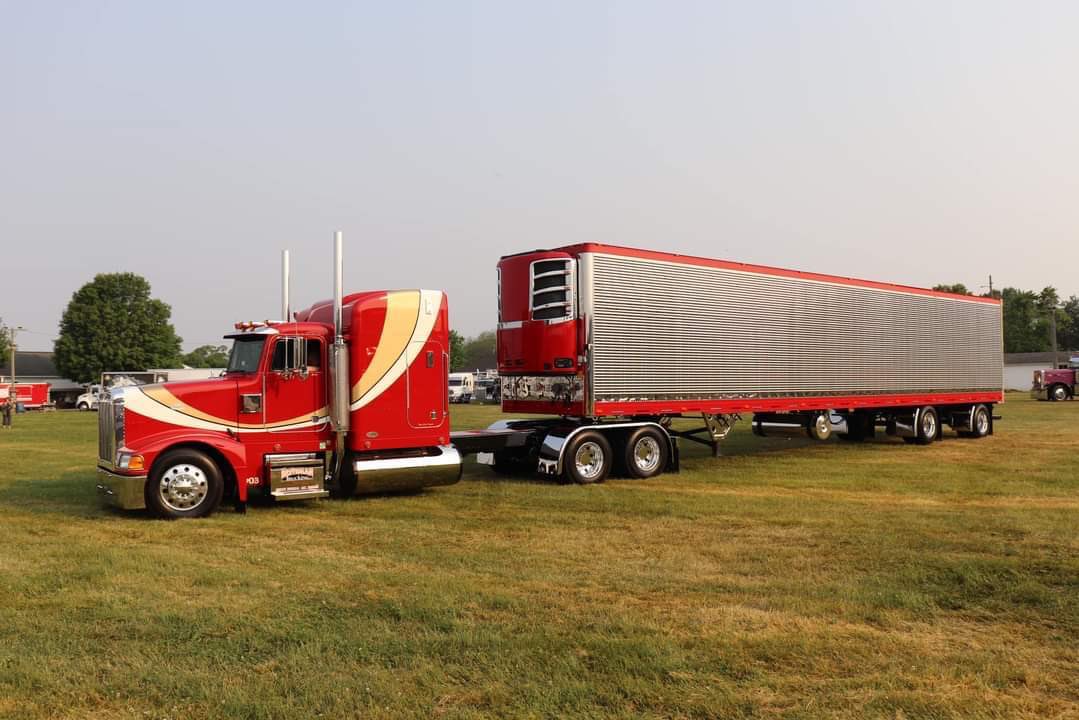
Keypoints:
pixel 265 427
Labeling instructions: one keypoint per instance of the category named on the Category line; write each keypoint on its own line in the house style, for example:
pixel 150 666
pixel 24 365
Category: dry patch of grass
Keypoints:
pixel 784 580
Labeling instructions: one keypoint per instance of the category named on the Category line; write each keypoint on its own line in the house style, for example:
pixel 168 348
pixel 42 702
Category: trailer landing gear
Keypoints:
pixel 717 428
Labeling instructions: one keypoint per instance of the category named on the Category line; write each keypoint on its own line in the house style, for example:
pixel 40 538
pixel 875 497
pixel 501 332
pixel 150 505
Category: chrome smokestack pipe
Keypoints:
pixel 340 398
pixel 286 309
pixel 338 271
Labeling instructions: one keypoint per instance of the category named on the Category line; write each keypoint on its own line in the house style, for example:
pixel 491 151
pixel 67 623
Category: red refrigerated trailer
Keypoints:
pixel 619 341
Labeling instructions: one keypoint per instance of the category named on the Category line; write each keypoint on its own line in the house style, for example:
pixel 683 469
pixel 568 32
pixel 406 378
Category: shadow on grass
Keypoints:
pixel 72 493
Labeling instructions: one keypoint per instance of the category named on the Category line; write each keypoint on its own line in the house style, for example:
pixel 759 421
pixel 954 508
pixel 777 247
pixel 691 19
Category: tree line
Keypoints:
pixel 1030 318
pixel 114 323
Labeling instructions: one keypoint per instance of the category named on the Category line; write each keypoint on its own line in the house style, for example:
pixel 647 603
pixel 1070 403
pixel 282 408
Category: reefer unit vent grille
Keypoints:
pixel 671 330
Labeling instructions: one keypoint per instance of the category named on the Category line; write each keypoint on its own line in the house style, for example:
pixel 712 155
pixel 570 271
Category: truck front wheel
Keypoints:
pixel 1059 393
pixel 184 483
pixel 588 458
pixel 83 406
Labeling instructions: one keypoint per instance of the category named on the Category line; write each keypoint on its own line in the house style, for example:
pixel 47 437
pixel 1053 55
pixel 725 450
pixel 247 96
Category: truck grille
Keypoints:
pixel 110 429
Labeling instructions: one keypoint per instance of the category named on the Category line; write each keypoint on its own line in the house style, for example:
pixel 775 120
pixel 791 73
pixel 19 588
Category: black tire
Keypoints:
pixel 819 427
pixel 859 427
pixel 928 426
pixel 83 407
pixel 1058 393
pixel 645 453
pixel 981 422
pixel 184 483
pixel 587 458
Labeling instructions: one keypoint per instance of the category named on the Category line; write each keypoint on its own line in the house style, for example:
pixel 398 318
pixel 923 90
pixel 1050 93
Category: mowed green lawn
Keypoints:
pixel 786 579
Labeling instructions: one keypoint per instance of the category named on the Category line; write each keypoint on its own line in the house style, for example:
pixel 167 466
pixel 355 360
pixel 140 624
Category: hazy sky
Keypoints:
pixel 917 142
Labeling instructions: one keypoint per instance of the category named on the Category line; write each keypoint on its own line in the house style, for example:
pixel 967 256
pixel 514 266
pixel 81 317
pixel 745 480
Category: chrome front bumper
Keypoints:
pixel 123 491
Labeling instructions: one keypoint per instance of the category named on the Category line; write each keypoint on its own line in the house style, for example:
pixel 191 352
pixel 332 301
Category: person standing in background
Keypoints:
pixel 7 408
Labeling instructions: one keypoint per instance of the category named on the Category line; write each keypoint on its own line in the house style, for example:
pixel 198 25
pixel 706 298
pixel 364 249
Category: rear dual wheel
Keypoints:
pixel 588 458
pixel 980 423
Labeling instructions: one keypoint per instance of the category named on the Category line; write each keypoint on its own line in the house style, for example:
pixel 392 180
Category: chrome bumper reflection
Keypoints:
pixel 123 491
pixel 407 473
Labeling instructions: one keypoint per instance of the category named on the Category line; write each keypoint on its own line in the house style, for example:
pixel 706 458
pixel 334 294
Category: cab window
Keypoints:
pixel 314 355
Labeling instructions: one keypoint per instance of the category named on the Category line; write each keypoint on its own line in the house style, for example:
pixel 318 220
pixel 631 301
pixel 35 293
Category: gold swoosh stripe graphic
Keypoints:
pixel 410 318
pixel 165 399
pixel 402 314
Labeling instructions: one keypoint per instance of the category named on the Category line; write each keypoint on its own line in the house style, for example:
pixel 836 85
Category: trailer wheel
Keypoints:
pixel 645 453
pixel 184 483
pixel 1058 393
pixel 819 427
pixel 588 458
pixel 928 426
pixel 980 422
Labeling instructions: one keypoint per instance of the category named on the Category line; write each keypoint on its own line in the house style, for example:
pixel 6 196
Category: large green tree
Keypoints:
pixel 112 323
pixel 457 352
pixel 207 356
pixel 480 352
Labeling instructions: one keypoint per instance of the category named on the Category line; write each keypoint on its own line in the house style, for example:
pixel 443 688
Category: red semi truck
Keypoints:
pixel 1056 384
pixel 606 345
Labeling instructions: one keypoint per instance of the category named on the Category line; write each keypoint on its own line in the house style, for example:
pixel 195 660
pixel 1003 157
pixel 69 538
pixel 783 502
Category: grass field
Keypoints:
pixel 786 579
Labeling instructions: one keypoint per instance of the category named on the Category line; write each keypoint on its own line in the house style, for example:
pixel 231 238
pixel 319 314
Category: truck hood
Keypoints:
pixel 210 404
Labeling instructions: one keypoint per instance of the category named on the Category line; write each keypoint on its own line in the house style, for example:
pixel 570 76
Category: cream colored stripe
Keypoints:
pixel 156 402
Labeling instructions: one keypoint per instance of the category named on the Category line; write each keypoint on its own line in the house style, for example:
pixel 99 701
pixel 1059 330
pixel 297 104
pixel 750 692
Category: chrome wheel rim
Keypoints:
pixel 929 425
pixel 981 422
pixel 646 454
pixel 1060 394
pixel 588 460
pixel 183 487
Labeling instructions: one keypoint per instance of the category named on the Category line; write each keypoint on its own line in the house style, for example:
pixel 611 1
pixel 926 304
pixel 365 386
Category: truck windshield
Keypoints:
pixel 245 355
pixel 455 382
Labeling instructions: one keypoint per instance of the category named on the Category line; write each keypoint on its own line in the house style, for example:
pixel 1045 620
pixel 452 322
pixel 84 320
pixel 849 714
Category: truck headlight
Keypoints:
pixel 131 461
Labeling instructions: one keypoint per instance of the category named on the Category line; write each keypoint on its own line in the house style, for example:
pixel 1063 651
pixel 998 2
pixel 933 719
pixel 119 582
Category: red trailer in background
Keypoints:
pixel 31 396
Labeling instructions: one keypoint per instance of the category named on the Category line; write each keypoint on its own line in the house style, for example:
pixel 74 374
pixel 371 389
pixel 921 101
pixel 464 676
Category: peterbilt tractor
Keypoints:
pixel 1057 384
pixel 604 347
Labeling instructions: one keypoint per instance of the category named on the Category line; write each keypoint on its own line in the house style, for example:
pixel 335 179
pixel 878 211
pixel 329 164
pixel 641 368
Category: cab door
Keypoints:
pixel 295 398
pixel 427 379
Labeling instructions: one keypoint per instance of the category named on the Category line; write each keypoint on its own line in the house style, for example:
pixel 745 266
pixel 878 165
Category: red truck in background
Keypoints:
pixel 604 346
pixel 1057 384
pixel 32 396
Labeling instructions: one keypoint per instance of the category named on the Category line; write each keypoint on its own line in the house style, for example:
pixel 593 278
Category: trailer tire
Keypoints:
pixel 819 427
pixel 587 459
pixel 645 453
pixel 859 427
pixel 184 483
pixel 981 421
pixel 928 426
pixel 1058 393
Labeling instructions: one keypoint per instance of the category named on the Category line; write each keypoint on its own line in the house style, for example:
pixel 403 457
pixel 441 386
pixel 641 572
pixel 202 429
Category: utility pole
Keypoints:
pixel 11 335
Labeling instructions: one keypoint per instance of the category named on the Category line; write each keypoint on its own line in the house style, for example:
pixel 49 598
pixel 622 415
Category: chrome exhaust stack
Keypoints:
pixel 286 310
pixel 339 378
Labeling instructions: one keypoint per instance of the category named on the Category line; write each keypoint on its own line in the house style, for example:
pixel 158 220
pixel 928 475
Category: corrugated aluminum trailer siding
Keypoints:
pixel 665 330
